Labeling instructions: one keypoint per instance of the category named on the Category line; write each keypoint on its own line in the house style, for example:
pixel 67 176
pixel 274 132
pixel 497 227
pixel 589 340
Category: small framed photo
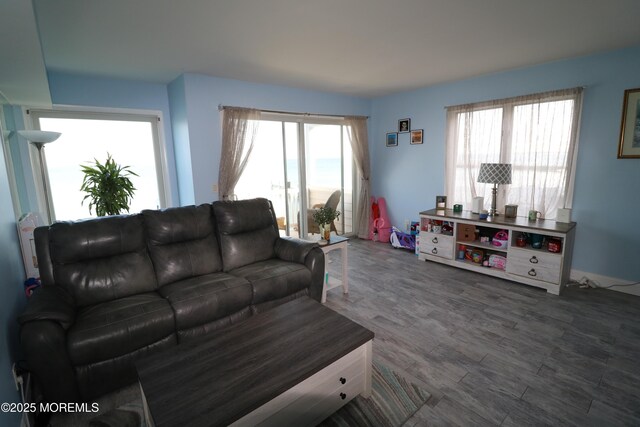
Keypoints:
pixel 392 139
pixel 416 136
pixel 629 146
pixel 404 125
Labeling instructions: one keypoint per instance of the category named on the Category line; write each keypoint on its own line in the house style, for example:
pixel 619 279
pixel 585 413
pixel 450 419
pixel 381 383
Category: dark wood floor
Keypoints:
pixel 493 352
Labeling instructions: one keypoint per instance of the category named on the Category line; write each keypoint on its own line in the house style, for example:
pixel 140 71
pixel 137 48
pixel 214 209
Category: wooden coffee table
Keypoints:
pixel 293 365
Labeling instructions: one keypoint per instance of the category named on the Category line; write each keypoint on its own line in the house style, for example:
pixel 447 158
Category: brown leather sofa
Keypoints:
pixel 116 289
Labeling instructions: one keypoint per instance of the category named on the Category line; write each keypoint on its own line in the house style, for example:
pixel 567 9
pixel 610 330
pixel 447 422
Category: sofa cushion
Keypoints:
pixel 101 259
pixel 247 231
pixel 114 328
pixel 273 279
pixel 182 242
pixel 200 300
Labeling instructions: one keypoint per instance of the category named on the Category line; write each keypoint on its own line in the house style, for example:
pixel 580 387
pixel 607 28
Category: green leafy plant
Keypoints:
pixel 325 215
pixel 108 187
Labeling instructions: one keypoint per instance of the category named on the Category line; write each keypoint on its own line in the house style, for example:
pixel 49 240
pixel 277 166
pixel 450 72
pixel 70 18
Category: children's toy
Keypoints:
pixel 375 214
pixel 379 224
pixel 402 240
pixel 30 285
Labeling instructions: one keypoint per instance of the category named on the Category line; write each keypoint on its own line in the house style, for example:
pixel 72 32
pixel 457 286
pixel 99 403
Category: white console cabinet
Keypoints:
pixel 545 267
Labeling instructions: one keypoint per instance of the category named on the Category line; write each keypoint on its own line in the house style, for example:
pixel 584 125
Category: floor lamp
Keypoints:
pixel 494 173
pixel 38 138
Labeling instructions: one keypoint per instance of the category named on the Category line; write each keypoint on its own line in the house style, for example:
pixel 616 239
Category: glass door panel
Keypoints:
pixel 298 166
pixel 324 168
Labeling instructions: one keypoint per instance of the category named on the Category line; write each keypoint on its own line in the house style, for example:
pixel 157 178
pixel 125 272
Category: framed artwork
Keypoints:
pixel 416 136
pixel 629 146
pixel 404 125
pixel 392 139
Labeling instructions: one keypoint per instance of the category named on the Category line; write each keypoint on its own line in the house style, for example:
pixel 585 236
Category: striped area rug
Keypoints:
pixel 393 400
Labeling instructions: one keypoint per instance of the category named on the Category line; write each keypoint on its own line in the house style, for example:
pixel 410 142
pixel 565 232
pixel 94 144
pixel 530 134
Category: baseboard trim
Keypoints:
pixel 608 281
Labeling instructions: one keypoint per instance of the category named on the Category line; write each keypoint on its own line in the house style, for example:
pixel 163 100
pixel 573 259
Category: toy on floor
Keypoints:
pixel 379 224
pixel 402 240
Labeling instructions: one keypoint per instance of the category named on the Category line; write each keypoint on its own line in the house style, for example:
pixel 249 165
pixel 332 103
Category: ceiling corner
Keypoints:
pixel 23 75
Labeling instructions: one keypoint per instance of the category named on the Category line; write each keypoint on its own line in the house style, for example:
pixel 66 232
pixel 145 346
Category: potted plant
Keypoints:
pixel 324 216
pixel 108 187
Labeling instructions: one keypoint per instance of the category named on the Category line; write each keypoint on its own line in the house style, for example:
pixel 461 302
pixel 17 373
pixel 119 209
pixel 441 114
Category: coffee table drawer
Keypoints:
pixel 320 395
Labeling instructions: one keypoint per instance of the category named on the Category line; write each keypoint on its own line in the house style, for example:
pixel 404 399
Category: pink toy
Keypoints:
pixel 383 224
pixel 375 214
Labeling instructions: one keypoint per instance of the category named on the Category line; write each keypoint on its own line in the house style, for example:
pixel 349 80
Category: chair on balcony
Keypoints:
pixel 332 202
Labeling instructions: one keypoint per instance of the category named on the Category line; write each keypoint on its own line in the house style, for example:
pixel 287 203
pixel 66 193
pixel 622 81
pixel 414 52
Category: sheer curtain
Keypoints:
pixel 537 134
pixel 239 128
pixel 360 148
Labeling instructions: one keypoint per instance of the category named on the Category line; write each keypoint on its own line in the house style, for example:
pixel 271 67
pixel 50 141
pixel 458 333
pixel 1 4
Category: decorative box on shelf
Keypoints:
pixel 536 253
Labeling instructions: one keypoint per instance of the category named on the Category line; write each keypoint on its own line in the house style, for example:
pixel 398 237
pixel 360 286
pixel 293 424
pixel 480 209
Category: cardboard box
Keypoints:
pixel 466 233
pixel 26 224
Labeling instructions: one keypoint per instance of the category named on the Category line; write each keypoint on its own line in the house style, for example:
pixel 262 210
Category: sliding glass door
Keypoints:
pixel 299 165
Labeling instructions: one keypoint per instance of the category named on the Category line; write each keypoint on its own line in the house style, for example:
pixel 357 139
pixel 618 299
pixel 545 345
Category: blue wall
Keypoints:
pixel 11 295
pixel 181 144
pixel 205 93
pixel 80 90
pixel 605 204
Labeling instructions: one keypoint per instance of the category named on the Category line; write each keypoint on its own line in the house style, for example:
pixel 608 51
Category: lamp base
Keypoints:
pixel 494 194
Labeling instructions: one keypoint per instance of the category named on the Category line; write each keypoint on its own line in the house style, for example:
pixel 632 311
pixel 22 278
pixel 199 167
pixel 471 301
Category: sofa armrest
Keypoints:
pixel 307 253
pixel 315 263
pixel 49 303
pixel 44 344
pixel 293 250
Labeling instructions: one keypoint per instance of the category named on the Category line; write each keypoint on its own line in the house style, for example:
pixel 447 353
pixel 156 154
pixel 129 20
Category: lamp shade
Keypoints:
pixel 495 173
pixel 39 136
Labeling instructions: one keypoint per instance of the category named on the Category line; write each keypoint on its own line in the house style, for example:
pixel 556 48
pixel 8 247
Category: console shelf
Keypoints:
pixel 540 267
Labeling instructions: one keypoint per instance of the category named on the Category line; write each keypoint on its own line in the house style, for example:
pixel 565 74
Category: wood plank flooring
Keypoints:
pixel 493 352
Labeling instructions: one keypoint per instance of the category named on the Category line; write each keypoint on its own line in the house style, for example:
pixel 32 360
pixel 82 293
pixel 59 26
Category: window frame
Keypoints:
pixel 154 117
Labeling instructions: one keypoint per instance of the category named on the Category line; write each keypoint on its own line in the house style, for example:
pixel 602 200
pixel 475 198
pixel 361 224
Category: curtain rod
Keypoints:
pixel 515 97
pixel 222 107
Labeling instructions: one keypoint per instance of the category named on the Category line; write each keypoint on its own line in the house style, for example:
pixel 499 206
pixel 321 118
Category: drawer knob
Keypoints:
pixel 343 396
pixel 434 240
pixel 343 380
pixel 533 260
pixel 434 251
pixel 532 273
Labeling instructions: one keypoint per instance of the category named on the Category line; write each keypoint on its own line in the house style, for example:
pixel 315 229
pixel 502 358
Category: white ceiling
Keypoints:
pixel 23 78
pixel 360 47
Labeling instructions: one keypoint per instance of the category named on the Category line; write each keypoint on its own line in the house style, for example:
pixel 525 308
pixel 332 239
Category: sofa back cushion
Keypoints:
pixel 182 242
pixel 247 230
pixel 101 259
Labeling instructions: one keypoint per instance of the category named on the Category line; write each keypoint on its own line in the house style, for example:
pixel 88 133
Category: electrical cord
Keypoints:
pixel 585 282
pixel 619 284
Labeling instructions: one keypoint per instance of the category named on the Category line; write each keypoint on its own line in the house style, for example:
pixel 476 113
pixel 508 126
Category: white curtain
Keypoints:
pixel 360 148
pixel 537 134
pixel 239 128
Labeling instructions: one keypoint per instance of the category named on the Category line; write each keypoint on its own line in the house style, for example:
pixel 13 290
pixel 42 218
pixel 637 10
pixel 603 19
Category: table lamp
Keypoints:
pixel 494 173
pixel 38 138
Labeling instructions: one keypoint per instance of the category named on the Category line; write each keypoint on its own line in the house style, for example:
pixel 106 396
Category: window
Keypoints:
pixel 132 140
pixel 298 162
pixel 536 134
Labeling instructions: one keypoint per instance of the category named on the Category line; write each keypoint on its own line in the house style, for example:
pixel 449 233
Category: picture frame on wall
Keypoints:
pixel 629 145
pixel 416 136
pixel 392 139
pixel 404 125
